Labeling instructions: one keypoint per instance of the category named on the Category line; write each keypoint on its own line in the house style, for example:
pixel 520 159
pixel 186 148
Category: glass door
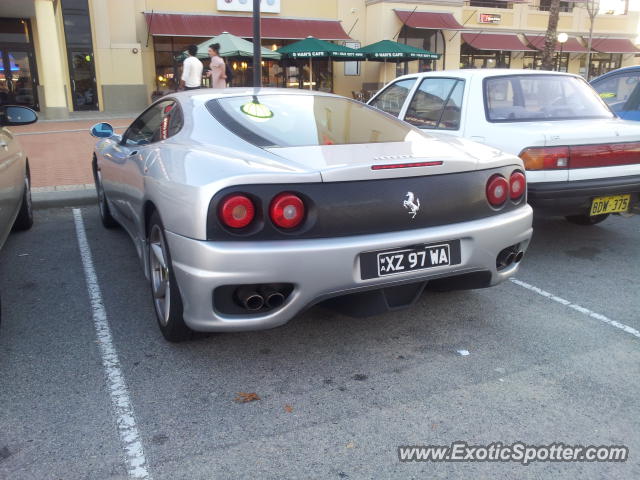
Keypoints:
pixel 17 82
pixel 83 81
pixel 4 83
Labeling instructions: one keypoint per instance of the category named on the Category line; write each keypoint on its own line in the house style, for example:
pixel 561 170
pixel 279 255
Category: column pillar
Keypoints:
pixel 54 103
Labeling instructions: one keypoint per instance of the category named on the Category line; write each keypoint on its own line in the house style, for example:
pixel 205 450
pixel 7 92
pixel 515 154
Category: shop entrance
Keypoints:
pixel 17 79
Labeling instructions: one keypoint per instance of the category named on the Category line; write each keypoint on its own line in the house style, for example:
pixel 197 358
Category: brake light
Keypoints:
pixel 581 156
pixel 237 211
pixel 407 165
pixel 287 210
pixel 497 190
pixel 545 158
pixel 517 185
pixel 588 156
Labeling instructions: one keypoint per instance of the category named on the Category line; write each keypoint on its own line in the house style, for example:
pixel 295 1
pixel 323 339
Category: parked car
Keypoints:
pixel 581 160
pixel 248 206
pixel 15 179
pixel 621 91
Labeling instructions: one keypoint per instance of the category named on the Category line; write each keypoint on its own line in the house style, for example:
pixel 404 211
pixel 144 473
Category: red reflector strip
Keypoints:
pixel 586 156
pixel 406 165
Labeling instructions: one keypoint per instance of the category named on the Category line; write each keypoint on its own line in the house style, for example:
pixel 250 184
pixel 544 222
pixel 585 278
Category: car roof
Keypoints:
pixel 631 68
pixel 468 73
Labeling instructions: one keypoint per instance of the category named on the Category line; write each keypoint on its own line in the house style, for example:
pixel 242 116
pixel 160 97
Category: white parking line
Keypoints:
pixel 125 419
pixel 578 308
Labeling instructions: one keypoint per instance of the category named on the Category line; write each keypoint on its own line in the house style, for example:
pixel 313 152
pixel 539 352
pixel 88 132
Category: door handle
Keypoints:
pixel 134 153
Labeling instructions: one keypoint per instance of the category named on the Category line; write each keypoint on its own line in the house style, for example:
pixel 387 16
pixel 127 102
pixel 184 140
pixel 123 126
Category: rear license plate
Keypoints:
pixel 612 204
pixel 403 260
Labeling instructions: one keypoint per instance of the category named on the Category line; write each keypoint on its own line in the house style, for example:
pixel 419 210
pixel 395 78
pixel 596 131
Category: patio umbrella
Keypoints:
pixel 312 48
pixel 231 46
pixel 389 51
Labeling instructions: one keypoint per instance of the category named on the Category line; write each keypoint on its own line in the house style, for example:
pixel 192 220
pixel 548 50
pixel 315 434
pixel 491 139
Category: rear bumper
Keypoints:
pixel 567 198
pixel 320 269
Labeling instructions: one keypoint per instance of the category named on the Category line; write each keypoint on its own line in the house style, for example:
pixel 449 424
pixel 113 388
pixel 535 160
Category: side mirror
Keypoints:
pixel 102 130
pixel 16 115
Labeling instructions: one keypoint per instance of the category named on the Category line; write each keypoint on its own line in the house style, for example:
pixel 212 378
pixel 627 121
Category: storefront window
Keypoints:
pixel 533 61
pixel 473 58
pixel 168 69
pixel 431 40
pixel 545 6
pixel 602 63
pixel 282 73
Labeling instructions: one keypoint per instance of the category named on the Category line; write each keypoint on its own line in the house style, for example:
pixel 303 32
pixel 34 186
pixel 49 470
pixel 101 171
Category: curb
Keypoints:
pixel 64 198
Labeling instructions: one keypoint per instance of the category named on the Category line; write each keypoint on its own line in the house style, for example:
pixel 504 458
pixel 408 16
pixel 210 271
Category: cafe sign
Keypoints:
pixel 268 6
pixel 489 18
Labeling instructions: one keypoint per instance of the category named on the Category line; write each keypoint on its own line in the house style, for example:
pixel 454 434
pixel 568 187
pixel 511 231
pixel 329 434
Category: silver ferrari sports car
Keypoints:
pixel 247 206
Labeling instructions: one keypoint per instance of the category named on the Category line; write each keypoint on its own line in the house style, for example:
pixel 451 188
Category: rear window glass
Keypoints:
pixel 521 98
pixel 303 120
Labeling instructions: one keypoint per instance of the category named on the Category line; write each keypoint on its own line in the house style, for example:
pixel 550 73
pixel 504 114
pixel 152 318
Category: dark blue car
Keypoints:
pixel 621 90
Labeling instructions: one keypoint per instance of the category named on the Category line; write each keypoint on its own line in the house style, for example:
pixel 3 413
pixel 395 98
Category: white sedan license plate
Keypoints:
pixel 612 204
pixel 409 259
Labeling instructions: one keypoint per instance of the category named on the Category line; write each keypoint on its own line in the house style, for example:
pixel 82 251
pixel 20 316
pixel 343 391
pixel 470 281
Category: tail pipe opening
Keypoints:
pixel 509 256
pixel 250 299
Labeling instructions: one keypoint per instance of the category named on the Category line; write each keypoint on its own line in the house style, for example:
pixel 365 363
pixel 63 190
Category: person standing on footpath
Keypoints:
pixel 216 70
pixel 191 70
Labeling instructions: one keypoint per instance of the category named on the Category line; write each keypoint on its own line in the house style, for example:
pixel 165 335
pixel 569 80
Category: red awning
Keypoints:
pixel 612 45
pixel 570 46
pixel 495 41
pixel 272 27
pixel 430 20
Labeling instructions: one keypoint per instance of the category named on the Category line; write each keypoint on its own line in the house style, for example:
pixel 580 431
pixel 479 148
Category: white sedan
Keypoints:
pixel 581 160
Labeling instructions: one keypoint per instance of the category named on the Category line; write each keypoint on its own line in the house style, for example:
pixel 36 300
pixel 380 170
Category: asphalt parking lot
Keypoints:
pixel 552 358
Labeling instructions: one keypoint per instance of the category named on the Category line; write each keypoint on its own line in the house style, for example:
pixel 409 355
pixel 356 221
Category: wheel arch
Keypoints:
pixel 148 209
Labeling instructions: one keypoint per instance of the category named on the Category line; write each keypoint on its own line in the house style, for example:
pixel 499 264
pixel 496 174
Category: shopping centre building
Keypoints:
pixel 60 56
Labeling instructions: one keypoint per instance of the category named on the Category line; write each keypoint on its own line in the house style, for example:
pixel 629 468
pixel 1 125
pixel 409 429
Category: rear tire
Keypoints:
pixel 167 301
pixel 105 214
pixel 586 219
pixel 24 220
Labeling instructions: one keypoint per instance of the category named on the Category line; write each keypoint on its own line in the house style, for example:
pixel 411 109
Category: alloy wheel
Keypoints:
pixel 160 280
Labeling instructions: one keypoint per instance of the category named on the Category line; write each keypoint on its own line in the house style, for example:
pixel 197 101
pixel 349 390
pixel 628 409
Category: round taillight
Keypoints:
pixel 287 210
pixel 237 211
pixel 517 185
pixel 497 190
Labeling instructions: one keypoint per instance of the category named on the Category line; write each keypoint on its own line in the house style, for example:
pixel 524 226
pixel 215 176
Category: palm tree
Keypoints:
pixel 551 36
pixel 592 6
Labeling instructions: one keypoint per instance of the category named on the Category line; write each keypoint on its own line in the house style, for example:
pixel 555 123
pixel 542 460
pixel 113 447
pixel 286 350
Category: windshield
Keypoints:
pixel 304 120
pixel 521 98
